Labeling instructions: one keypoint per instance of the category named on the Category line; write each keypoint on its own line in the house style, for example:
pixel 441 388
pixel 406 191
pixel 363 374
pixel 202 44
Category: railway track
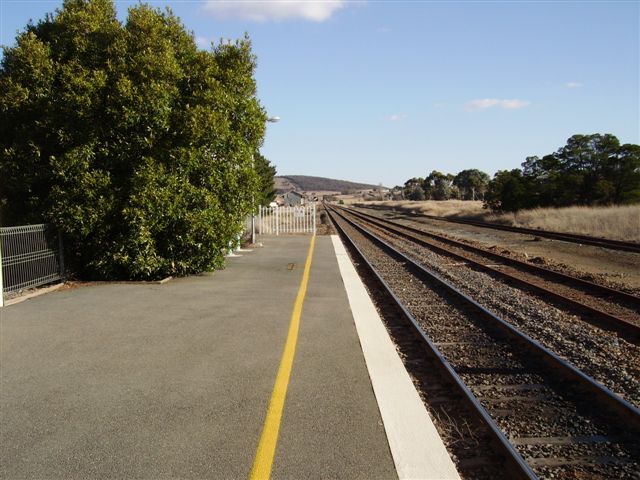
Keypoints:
pixel 565 237
pixel 548 419
pixel 602 306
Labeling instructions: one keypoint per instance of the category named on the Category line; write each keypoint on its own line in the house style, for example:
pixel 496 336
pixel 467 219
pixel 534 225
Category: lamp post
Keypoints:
pixel 253 197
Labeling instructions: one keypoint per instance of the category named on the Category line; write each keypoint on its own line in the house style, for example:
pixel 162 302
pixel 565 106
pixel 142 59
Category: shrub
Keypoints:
pixel 128 138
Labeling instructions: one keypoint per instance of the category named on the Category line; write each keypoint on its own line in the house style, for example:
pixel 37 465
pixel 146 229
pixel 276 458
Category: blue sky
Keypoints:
pixel 380 91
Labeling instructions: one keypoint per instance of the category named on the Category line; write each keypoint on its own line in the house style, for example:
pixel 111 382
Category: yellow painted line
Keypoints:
pixel 269 439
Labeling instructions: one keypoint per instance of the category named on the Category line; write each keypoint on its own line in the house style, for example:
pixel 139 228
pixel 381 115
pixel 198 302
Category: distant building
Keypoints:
pixel 293 198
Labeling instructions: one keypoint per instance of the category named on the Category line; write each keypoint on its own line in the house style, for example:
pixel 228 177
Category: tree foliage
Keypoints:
pixel 588 170
pixel 128 138
pixel 413 189
pixel 266 186
pixel 508 191
pixel 471 183
pixel 437 186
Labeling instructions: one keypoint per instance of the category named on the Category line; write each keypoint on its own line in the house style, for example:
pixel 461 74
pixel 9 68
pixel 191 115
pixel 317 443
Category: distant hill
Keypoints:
pixel 304 183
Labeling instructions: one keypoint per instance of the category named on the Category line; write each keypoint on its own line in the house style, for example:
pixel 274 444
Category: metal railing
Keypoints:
pixel 285 220
pixel 31 255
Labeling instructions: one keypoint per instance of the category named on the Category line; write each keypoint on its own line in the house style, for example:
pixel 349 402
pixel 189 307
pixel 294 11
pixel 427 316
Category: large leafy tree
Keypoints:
pixel 508 191
pixel 588 170
pixel 623 173
pixel 472 183
pixel 413 189
pixel 437 185
pixel 128 138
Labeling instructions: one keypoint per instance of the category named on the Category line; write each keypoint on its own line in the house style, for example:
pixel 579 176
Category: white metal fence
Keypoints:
pixel 30 255
pixel 284 220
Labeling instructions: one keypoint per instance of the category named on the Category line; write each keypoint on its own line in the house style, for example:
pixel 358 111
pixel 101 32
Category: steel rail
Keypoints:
pixel 514 463
pixel 563 236
pixel 601 318
pixel 560 371
pixel 546 271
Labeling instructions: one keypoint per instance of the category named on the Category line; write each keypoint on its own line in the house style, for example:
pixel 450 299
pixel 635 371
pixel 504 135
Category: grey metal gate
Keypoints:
pixel 31 255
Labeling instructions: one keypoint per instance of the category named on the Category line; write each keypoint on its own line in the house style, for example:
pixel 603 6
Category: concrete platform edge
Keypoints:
pixel 416 447
pixel 37 293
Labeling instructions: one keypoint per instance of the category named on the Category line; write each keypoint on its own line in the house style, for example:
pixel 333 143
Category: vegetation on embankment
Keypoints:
pixel 616 222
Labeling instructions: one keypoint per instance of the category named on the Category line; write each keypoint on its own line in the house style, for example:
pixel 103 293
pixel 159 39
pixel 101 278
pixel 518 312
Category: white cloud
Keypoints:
pixel 484 103
pixel 515 103
pixel 266 10
pixel 573 85
pixel 396 117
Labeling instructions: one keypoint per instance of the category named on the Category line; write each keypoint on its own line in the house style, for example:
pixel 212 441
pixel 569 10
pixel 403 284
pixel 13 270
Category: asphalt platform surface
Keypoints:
pixel 173 381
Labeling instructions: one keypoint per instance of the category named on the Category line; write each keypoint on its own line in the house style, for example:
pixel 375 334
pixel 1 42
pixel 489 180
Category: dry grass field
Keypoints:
pixel 620 223
pixel 447 208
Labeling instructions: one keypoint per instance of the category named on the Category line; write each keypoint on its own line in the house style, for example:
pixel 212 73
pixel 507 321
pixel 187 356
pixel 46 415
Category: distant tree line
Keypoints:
pixel 469 184
pixel 588 170
pixel 140 147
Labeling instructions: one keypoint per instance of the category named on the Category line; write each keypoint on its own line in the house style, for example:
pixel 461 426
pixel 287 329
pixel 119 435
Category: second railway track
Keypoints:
pixel 562 236
pixel 561 422
pixel 600 305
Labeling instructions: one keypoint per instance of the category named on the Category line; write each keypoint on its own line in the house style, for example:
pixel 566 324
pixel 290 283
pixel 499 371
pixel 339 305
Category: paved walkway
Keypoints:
pixel 174 380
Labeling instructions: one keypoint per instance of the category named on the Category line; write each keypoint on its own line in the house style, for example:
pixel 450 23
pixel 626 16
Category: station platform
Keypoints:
pixel 175 380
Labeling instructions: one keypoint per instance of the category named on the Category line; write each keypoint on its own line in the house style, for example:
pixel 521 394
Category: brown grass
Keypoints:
pixel 447 208
pixel 620 222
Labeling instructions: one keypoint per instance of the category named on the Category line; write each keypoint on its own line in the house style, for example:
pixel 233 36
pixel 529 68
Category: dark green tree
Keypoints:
pixel 413 189
pixel 266 173
pixel 128 138
pixel 588 170
pixel 472 183
pixel 508 191
pixel 623 172
pixel 437 185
